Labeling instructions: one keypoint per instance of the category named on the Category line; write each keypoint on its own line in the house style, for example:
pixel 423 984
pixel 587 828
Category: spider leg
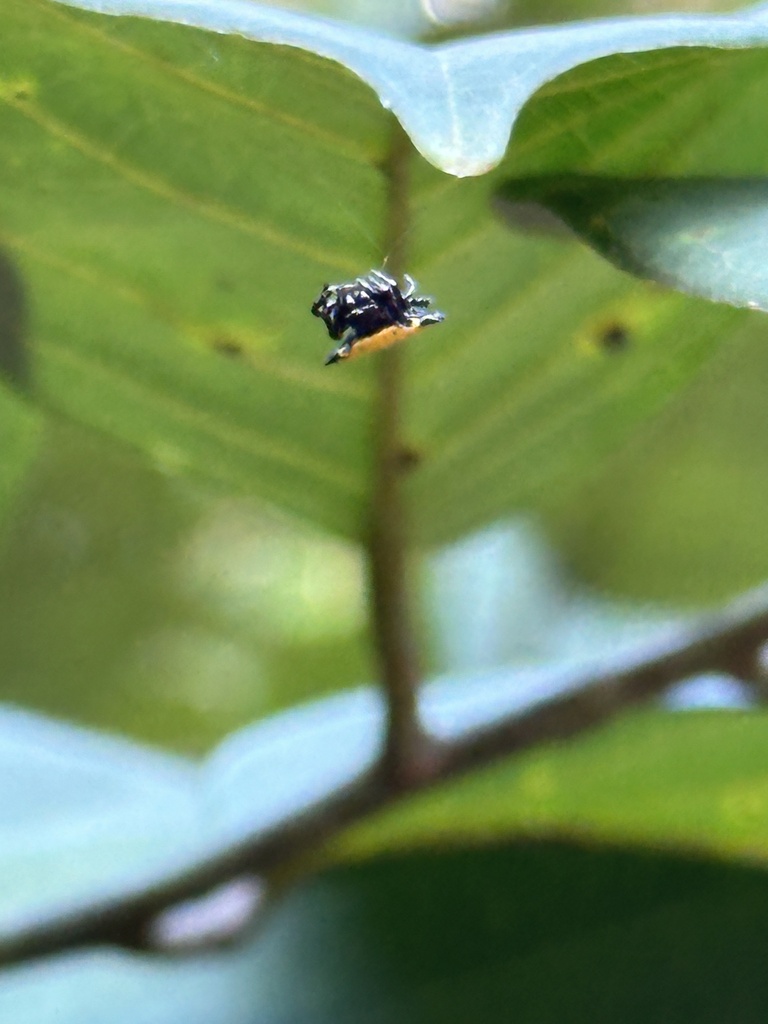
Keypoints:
pixel 371 284
pixel 427 317
pixel 394 300
pixel 342 352
pixel 380 281
pixel 410 286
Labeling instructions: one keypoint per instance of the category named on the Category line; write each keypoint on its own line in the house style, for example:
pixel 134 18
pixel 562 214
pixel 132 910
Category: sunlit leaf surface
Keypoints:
pixel 175 199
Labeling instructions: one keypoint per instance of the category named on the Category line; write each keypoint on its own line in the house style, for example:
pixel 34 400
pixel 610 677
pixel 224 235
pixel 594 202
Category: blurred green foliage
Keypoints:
pixel 680 518
pixel 143 605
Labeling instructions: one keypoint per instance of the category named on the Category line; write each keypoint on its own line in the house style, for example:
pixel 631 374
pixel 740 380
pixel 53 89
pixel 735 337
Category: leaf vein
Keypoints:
pixel 210 210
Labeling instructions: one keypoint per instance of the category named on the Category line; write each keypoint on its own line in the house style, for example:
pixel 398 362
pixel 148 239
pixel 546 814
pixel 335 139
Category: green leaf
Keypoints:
pixel 20 433
pixel 702 236
pixel 679 517
pixel 542 932
pixel 175 210
pixel 532 934
pixel 458 101
pixel 689 781
pixel 19 421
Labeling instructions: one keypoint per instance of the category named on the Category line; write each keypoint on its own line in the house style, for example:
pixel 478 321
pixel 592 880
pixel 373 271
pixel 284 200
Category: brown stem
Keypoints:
pixel 407 750
pixel 723 643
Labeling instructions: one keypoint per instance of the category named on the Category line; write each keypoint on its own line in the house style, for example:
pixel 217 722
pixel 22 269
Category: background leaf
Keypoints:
pixel 706 237
pixel 548 931
pixel 688 781
pixel 168 613
pixel 85 814
pixel 20 429
pixel 679 517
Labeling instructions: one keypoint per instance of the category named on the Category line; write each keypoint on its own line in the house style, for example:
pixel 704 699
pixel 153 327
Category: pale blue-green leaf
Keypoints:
pixel 403 18
pixel 277 768
pixel 84 816
pixel 272 770
pixel 451 938
pixel 703 236
pixel 500 597
pixel 83 813
pixel 458 101
pixel 111 986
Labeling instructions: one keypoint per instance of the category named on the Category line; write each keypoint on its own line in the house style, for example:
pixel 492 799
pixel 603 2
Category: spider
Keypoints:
pixel 372 313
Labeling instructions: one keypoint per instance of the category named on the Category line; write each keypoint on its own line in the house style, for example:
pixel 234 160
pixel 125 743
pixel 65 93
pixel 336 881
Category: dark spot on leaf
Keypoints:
pixel 15 364
pixel 227 346
pixel 408 458
pixel 614 337
pixel 225 284
pixel 21 94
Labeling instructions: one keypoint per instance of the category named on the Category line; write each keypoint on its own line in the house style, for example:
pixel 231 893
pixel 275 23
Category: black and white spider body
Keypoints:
pixel 372 312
